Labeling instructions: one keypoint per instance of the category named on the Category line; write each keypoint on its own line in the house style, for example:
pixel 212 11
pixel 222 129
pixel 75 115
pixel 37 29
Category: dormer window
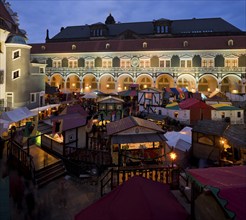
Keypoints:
pixel 162 29
pixel 97 32
pixel 42 47
pixel 73 47
pixel 145 45
pixel 230 43
pixel 185 44
pixel 107 46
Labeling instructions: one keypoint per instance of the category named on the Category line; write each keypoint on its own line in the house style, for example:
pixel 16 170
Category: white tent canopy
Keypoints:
pixel 17 114
pixel 180 140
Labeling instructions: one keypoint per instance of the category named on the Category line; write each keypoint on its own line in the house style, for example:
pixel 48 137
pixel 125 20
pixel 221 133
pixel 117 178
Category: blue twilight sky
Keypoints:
pixel 36 16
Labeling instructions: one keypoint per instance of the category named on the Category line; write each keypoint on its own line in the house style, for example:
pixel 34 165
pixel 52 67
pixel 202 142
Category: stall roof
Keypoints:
pixel 71 121
pixel 137 198
pixel 230 182
pixel 17 114
pixel 110 99
pixel 130 122
pixel 137 138
pixel 194 103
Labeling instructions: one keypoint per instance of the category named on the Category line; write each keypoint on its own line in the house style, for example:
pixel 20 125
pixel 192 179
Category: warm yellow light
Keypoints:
pixel 173 156
pixel 234 91
pixel 208 89
pixel 145 86
pixel 89 86
pixel 107 85
pixel 73 84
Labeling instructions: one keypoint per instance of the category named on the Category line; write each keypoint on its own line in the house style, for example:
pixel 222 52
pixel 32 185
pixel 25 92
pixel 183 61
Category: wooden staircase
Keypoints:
pixel 49 173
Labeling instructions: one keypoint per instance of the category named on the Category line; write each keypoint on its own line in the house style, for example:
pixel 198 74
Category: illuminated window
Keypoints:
pixel 231 62
pixel 72 63
pixel 207 62
pixel 186 63
pixel 144 63
pixel 56 63
pixel 89 64
pixel 43 48
pixel 144 45
pixel 15 74
pixel 176 114
pixel 165 63
pixel 125 63
pixel 107 63
pixel 222 114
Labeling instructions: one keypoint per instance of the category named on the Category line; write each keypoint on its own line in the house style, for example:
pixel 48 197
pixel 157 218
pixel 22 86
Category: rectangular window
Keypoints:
pixel 16 54
pixel 207 62
pixel 125 63
pixel 1 77
pixel 239 114
pixel 186 63
pixel 33 97
pixel 144 63
pixel 15 74
pixel 168 63
pixel 148 95
pixel 233 62
pixel 162 63
pixel 41 70
pixel 89 64
pixel 165 63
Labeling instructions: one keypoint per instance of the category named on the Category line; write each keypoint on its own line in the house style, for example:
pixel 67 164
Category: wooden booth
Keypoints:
pixel 135 141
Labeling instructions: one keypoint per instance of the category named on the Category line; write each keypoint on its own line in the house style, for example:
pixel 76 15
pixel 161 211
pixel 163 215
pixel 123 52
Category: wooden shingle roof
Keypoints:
pixel 130 122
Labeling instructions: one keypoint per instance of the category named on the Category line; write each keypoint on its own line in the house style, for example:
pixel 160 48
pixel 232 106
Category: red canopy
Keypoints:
pixel 137 198
pixel 231 182
pixel 194 103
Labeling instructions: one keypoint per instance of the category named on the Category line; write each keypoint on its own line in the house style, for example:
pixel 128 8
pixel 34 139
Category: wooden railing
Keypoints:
pixel 117 176
pixel 22 157
pixel 51 144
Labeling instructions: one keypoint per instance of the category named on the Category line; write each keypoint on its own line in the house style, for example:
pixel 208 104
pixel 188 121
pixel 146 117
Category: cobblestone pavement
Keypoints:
pixel 53 203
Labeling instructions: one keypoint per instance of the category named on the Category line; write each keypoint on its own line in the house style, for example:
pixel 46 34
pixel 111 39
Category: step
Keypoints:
pixel 50 174
pixel 46 181
pixel 48 168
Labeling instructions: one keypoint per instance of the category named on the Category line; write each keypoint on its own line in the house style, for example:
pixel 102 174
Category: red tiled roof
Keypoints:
pixel 194 103
pixel 195 43
pixel 130 122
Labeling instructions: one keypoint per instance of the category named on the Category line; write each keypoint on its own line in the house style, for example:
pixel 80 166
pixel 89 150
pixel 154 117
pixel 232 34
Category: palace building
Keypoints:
pixel 198 54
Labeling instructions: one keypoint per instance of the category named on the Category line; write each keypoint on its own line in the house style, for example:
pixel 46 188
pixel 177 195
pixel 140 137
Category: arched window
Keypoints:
pixel 144 45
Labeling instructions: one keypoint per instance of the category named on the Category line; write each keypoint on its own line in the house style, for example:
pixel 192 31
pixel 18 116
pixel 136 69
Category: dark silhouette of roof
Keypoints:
pixel 205 26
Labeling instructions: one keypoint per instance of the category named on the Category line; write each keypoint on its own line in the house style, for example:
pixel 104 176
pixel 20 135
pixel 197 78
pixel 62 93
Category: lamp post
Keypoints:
pixel 173 157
